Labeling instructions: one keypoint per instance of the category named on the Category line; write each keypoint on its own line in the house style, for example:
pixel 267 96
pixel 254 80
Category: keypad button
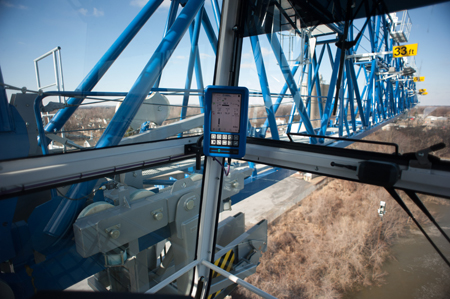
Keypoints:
pixel 230 137
pixel 235 143
pixel 213 136
pixel 219 136
pixel 236 137
pixel 219 142
pixel 213 142
pixel 230 143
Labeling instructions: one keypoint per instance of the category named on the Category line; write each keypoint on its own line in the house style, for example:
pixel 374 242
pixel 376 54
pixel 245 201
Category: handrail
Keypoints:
pixel 346 139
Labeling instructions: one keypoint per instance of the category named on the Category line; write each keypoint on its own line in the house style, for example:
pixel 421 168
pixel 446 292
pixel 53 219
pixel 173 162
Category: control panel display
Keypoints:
pixel 226 115
pixel 225 112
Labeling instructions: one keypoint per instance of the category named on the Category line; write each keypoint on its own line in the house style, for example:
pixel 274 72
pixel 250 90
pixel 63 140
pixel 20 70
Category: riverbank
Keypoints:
pixel 415 270
pixel 330 244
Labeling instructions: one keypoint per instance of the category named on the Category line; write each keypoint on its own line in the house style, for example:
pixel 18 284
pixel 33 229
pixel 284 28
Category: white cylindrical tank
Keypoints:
pixel 155 109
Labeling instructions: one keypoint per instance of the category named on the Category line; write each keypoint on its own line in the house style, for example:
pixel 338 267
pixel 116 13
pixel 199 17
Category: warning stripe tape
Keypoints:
pixel 226 262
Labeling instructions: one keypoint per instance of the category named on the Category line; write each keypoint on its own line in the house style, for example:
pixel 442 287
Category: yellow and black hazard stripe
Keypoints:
pixel 225 262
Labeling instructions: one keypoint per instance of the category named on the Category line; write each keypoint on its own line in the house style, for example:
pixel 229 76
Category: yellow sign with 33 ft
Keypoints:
pixel 405 50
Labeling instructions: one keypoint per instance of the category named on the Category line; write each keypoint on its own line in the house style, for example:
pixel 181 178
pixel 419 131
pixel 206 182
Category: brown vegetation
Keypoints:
pixel 413 136
pixel 175 112
pixel 329 244
pixel 334 240
pixel 88 119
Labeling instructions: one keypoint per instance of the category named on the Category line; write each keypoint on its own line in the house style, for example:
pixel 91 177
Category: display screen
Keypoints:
pixel 225 112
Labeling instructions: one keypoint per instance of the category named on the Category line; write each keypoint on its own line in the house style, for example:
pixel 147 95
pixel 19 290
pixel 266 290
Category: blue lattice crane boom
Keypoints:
pixel 91 212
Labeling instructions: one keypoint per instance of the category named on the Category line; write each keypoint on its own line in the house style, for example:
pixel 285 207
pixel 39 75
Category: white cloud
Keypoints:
pixel 248 66
pixel 141 3
pixel 9 4
pixel 98 12
pixel 247 55
pixel 95 12
pixel 273 77
pixel 166 3
pixel 265 51
pixel 180 57
pixel 83 11
pixel 138 3
pixel 204 55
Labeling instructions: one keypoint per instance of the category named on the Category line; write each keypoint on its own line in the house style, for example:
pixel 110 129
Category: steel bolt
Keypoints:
pixel 189 204
pixel 114 234
pixel 158 216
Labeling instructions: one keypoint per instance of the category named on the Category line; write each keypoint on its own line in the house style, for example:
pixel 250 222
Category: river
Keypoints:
pixel 416 271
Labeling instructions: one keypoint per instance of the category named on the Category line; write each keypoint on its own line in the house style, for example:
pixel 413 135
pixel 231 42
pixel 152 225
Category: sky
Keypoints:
pixel 85 29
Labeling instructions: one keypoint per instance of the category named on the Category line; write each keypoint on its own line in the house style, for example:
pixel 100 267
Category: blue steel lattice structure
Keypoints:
pixel 367 88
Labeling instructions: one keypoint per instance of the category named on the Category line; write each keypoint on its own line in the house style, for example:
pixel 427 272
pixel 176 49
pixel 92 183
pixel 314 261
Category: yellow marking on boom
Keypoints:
pixel 405 50
pixel 226 262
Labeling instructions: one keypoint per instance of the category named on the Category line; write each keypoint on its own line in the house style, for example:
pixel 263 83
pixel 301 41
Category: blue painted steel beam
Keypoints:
pixel 386 35
pixel 350 97
pixel 279 99
pixel 192 57
pixel 371 33
pixel 6 124
pixel 286 71
pixel 67 210
pixel 316 65
pixel 358 42
pixel 330 55
pixel 327 41
pixel 345 109
pixel 328 105
pixel 259 61
pixel 199 78
pixel 291 118
pixel 380 98
pixel 335 28
pixel 377 34
pixel 310 88
pixel 173 10
pixel 216 11
pixel 354 82
pixel 370 93
pixel 132 102
pixel 209 31
pixel 341 104
pixel 58 121
pixel 315 81
pixel 159 182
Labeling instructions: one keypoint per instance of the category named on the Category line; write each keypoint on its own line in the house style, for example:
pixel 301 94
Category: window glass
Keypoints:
pixel 131 231
pixel 68 46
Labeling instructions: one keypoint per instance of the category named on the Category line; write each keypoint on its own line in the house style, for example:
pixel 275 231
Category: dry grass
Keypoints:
pixel 331 243
pixel 334 241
